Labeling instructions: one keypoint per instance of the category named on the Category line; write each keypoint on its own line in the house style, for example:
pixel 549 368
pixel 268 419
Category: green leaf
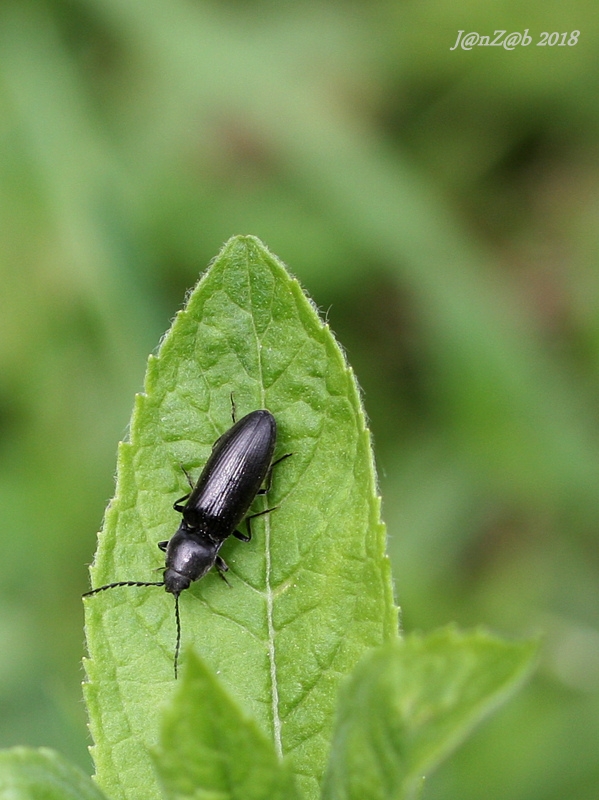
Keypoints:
pixel 311 591
pixel 409 703
pixel 209 749
pixel 27 774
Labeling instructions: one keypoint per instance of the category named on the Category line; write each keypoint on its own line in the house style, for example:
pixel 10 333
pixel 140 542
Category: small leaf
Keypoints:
pixel 27 774
pixel 411 702
pixel 209 749
pixel 312 590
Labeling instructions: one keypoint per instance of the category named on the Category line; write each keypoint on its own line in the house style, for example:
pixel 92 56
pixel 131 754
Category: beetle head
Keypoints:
pixel 175 582
pixel 188 558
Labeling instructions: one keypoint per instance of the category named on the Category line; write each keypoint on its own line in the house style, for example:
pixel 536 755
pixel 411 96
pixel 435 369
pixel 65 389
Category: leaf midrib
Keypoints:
pixel 276 720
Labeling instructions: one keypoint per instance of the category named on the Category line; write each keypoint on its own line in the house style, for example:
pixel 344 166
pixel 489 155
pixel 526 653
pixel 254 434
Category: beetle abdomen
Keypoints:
pixel 233 474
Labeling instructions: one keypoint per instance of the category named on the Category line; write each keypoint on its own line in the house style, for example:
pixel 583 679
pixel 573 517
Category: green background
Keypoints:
pixel 442 209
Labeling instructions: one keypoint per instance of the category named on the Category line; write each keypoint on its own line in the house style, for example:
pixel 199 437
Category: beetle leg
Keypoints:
pixel 243 537
pixel 221 564
pixel 178 504
pixel 162 545
pixel 278 461
pixel 268 479
pixel 188 476
pixel 222 567
pixel 260 513
pixel 233 410
pixel 247 538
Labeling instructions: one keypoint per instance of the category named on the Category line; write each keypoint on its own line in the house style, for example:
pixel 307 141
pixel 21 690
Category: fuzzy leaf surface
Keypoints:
pixel 209 749
pixel 410 703
pixel 27 774
pixel 311 591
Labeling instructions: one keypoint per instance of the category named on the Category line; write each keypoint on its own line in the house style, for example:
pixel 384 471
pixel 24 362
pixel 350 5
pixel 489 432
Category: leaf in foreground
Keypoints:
pixel 27 774
pixel 312 590
pixel 209 748
pixel 410 703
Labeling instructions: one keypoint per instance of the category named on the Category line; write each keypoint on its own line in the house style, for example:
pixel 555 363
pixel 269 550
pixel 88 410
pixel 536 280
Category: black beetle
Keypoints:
pixel 240 462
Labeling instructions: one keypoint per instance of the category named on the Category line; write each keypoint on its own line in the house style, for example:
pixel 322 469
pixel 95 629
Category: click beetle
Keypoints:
pixel 240 462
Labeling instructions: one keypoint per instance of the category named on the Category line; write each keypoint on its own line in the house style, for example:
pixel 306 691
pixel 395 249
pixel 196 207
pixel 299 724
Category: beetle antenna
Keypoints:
pixel 122 583
pixel 178 621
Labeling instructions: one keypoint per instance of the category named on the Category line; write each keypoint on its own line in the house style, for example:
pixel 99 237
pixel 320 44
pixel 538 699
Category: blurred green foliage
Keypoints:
pixel 441 207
